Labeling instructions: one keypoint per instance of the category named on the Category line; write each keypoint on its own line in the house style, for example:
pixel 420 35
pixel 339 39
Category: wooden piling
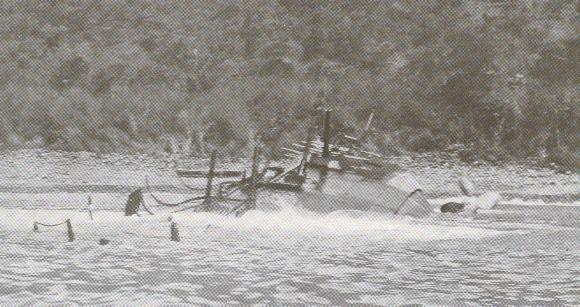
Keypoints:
pixel 71 235
pixel 254 177
pixel 90 207
pixel 174 232
pixel 210 174
pixel 207 202
pixel 35 227
pixel 303 169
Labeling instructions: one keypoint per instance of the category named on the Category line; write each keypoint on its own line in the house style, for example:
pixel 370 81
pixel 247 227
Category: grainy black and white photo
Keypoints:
pixel 290 152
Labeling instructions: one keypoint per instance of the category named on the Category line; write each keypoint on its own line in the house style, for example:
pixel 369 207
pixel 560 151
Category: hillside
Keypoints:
pixel 152 75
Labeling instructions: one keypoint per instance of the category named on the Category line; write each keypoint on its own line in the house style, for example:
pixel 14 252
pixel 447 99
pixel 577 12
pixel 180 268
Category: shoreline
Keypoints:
pixel 41 171
pixel 563 197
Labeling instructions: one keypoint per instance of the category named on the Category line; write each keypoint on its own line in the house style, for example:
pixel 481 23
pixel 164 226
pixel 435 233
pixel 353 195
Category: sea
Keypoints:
pixel 523 251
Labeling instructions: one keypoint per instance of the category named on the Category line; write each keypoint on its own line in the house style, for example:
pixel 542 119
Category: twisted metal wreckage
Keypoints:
pixel 328 177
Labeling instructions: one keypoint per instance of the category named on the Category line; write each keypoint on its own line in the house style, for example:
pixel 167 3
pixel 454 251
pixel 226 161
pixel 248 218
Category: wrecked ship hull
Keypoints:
pixel 338 191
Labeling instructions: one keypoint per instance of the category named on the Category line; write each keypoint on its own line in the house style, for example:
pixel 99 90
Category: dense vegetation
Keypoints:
pixel 137 75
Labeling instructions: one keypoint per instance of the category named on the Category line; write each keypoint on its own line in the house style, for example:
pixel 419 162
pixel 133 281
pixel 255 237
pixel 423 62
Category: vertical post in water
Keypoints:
pixel 254 177
pixel 210 174
pixel 326 135
pixel 325 152
pixel 208 188
pixel 304 163
pixel 174 232
pixel 35 227
pixel 90 207
pixel 71 235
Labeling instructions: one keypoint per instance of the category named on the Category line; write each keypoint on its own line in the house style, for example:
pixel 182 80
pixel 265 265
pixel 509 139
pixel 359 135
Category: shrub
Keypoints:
pixel 565 160
pixel 69 73
pixel 423 140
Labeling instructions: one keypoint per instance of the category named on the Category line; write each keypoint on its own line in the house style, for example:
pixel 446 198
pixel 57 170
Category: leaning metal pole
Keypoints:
pixel 210 174
pixel 209 186
pixel 326 135
pixel 303 168
pixel 252 194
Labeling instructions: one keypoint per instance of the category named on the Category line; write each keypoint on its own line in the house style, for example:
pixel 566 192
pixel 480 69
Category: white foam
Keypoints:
pixel 537 202
pixel 485 201
pixel 367 224
pixel 288 219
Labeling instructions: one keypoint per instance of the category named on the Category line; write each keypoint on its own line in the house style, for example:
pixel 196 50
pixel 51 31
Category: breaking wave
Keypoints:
pixel 287 219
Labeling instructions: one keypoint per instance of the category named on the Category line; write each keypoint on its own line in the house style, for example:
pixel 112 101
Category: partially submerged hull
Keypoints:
pixel 337 191
pixel 395 203
pixel 329 177
pixel 334 178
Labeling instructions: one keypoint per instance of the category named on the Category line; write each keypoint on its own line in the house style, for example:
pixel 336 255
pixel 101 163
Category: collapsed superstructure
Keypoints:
pixel 326 176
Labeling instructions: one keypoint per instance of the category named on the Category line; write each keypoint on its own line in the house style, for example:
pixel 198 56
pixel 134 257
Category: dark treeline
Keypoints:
pixel 499 77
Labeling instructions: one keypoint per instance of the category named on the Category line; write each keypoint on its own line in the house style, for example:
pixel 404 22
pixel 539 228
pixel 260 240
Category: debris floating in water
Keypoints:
pixel 70 233
pixel 174 232
pixel 90 207
pixel 452 207
pixel 134 202
pixel 104 241
pixel 69 228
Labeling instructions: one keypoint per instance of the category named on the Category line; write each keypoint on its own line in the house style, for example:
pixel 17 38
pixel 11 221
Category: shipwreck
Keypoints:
pixel 325 175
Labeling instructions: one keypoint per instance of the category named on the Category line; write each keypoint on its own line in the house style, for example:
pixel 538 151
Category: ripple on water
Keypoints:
pixel 262 258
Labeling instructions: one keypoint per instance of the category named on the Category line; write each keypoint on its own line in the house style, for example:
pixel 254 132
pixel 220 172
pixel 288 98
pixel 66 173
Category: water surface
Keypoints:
pixel 514 254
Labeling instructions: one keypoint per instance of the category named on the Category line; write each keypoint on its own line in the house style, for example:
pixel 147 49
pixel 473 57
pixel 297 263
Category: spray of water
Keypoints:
pixel 287 218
